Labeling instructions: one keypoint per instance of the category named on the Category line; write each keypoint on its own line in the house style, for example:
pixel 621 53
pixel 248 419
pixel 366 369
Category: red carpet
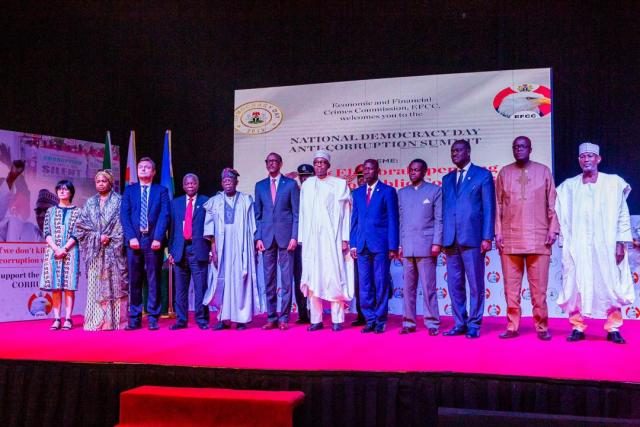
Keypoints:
pixel 349 350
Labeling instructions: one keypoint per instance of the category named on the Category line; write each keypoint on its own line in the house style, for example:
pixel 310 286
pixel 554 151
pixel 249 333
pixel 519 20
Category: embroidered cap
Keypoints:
pixel 587 147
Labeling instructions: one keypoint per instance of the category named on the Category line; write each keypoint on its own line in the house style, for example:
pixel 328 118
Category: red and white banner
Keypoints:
pixel 394 121
pixel 30 167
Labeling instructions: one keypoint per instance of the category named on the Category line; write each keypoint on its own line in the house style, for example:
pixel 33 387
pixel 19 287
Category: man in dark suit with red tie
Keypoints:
pixel 189 252
pixel 276 209
pixel 374 242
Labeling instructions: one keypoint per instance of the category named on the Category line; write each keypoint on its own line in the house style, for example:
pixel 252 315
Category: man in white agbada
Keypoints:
pixel 595 227
pixel 327 268
pixel 230 225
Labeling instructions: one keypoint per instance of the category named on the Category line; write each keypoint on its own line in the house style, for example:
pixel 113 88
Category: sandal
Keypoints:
pixel 67 325
pixel 55 325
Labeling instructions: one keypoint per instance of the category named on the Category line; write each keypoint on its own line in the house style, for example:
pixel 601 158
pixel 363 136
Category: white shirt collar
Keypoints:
pixel 186 199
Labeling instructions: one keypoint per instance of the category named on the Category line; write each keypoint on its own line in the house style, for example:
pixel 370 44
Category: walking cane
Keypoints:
pixel 171 314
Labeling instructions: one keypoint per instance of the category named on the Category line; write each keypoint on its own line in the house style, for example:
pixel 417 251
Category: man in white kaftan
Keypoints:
pixel 595 227
pixel 327 268
pixel 230 225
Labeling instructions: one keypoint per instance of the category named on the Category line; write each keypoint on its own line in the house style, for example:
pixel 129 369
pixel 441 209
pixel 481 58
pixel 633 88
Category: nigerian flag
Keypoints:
pixel 106 161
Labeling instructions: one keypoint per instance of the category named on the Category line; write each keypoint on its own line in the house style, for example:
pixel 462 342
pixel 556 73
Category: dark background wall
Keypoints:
pixel 76 69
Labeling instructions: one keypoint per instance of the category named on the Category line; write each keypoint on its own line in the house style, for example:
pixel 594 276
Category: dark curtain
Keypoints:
pixel 77 68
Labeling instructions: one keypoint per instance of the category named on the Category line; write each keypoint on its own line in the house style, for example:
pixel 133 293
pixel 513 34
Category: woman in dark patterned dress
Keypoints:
pixel 99 232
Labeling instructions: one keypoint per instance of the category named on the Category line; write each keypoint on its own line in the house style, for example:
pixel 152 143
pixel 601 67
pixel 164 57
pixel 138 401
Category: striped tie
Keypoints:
pixel 144 207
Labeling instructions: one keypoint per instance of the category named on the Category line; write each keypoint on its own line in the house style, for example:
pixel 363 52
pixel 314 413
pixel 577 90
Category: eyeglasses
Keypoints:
pixel 272 161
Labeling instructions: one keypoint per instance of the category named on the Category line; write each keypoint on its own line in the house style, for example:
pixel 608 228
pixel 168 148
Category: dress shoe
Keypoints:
pixel 336 327
pixel 132 327
pixel 455 331
pixel 220 326
pixel 153 325
pixel 315 327
pixel 283 326
pixel 368 328
pixel 241 326
pixel 472 334
pixel 270 325
pixel 544 336
pixel 203 326
pixel 302 321
pixel 508 334
pixel 359 322
pixel 380 328
pixel 407 330
pixel 615 337
pixel 177 326
pixel 434 331
pixel 576 335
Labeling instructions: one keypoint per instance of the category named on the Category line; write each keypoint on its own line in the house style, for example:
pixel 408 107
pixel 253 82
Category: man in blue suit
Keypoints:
pixel 276 208
pixel 144 214
pixel 189 252
pixel 374 242
pixel 469 208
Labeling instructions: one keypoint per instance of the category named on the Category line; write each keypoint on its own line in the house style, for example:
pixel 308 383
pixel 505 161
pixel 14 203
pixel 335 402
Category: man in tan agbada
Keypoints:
pixel 526 228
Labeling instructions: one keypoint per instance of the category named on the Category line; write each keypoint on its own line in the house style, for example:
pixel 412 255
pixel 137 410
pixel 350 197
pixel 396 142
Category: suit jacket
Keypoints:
pixel 469 215
pixel 176 237
pixel 375 226
pixel 420 219
pixel 158 212
pixel 277 221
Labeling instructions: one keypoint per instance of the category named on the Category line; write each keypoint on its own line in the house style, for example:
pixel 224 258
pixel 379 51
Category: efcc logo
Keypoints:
pixel 632 312
pixel 493 277
pixel 493 310
pixel 442 260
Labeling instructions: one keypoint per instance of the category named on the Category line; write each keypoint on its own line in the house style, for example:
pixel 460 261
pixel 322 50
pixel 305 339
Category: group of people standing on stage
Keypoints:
pixel 333 244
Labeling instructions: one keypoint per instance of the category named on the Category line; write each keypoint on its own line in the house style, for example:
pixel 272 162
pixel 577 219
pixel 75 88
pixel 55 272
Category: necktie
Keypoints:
pixel 273 190
pixel 188 220
pixel 144 207
pixel 368 195
pixel 460 176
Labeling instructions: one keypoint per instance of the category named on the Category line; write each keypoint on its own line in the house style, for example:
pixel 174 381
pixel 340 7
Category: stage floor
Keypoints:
pixel 349 350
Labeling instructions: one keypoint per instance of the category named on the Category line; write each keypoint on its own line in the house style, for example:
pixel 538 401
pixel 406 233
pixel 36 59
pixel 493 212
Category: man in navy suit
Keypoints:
pixel 276 208
pixel 469 208
pixel 144 214
pixel 189 252
pixel 374 242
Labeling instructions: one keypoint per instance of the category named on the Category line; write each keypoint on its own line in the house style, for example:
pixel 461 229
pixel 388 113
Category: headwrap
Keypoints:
pixel 587 147
pixel 46 197
pixel 322 154
pixel 107 174
pixel 230 173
